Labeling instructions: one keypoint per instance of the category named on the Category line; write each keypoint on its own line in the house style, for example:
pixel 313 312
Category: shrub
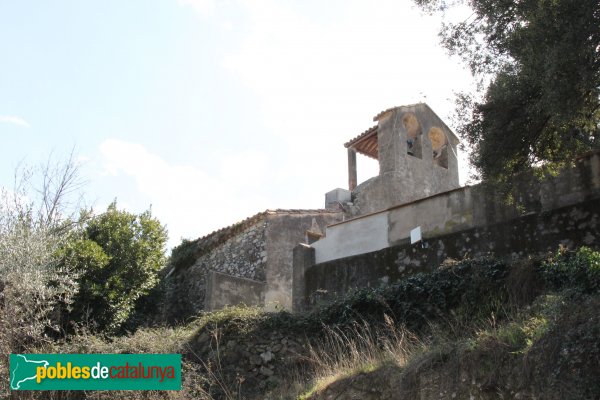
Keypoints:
pixel 34 223
pixel 183 255
pixel 578 270
pixel 468 287
pixel 118 256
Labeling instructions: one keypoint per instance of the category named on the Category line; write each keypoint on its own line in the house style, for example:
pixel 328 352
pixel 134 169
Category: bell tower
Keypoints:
pixel 417 158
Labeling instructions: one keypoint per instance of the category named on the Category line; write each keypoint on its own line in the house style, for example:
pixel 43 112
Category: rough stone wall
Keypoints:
pixel 240 255
pixel 243 255
pixel 262 358
pixel 251 261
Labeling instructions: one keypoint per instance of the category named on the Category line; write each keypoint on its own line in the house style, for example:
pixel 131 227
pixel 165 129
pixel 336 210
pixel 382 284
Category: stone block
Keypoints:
pixel 337 196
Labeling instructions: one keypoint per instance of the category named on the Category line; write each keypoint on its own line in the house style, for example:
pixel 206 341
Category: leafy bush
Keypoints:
pixel 578 270
pixel 469 290
pixel 183 255
pixel 466 288
pixel 117 255
pixel 34 223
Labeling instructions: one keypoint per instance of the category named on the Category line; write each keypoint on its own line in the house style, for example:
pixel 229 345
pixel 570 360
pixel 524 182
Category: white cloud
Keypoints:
pixel 202 7
pixel 194 202
pixel 12 119
pixel 318 72
pixel 320 81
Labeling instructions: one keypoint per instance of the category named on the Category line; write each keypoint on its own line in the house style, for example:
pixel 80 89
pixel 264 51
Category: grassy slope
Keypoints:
pixel 538 337
pixel 479 328
pixel 550 352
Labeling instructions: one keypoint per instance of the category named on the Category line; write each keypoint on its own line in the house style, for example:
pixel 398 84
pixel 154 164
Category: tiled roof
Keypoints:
pixel 208 242
pixel 362 135
pixel 301 211
pixel 366 143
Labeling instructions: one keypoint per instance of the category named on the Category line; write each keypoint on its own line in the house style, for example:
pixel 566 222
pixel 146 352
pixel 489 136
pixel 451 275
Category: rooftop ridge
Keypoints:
pixel 380 114
pixel 211 240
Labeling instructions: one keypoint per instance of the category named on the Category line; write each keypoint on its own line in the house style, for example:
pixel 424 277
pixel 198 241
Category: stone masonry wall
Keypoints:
pixel 257 250
pixel 241 255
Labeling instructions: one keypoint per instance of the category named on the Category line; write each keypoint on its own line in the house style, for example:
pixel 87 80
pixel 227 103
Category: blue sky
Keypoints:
pixel 210 111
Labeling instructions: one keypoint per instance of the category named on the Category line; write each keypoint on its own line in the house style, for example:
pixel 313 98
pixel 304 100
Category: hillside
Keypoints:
pixel 481 329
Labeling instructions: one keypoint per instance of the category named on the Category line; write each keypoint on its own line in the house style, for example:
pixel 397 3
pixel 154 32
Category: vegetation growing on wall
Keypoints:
pixel 184 254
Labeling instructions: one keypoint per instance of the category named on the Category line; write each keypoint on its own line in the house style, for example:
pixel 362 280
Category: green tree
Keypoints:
pixel 117 256
pixel 540 60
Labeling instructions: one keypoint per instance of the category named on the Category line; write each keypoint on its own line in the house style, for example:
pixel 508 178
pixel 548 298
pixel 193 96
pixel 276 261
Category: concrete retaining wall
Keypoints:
pixel 283 233
pixel 362 235
pixel 223 290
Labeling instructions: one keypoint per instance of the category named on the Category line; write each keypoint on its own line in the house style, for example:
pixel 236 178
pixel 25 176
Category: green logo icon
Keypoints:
pixel 23 369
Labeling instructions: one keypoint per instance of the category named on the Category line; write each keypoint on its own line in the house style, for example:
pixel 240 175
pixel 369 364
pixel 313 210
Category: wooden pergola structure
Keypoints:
pixel 366 144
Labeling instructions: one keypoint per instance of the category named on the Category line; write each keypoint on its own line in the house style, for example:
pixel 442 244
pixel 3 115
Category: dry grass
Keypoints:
pixel 505 335
pixel 343 353
pixel 490 350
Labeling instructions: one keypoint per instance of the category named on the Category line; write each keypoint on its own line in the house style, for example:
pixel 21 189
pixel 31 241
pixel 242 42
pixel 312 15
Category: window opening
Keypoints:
pixel 439 146
pixel 413 135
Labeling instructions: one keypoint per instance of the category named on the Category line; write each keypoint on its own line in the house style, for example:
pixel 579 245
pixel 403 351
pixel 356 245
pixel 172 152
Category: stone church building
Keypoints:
pixel 252 262
pixel 249 262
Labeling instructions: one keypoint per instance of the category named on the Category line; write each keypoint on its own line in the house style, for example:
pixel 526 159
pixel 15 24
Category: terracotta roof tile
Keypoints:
pixel 361 136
